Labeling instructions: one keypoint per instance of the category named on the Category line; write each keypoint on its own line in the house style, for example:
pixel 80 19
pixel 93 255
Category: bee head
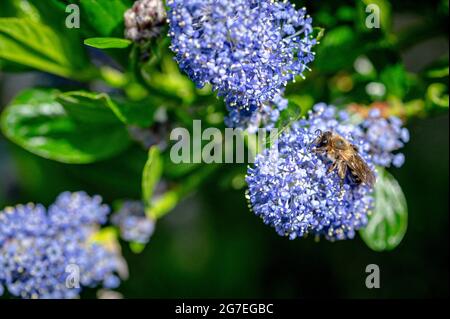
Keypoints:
pixel 322 139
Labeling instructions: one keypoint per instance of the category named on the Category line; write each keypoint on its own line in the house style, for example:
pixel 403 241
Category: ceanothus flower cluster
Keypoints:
pixel 51 253
pixel 385 136
pixel 290 189
pixel 134 225
pixel 247 50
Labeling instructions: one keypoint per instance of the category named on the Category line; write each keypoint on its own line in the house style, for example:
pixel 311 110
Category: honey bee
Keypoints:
pixel 344 156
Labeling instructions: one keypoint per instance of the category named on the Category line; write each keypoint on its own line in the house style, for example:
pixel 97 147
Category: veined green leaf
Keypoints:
pixel 41 125
pixel 94 107
pixel 35 45
pixel 139 113
pixel 89 107
pixel 151 174
pixel 388 223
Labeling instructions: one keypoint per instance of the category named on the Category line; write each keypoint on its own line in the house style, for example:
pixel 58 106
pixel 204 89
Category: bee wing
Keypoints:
pixel 361 170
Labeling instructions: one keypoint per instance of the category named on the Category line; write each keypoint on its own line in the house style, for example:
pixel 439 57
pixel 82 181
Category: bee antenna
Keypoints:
pixel 318 132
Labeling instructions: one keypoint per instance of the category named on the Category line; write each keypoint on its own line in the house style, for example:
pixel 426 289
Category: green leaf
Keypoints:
pixel 163 205
pixel 55 14
pixel 437 95
pixel 438 72
pixel 438 69
pixel 105 235
pixel 170 82
pixel 318 33
pixel 41 125
pixel 32 44
pixel 108 43
pixel 8 66
pixel 19 9
pixel 151 174
pixel 105 16
pixel 387 225
pixel 101 108
pixel 89 107
pixel 136 247
pixel 138 113
pixel 395 79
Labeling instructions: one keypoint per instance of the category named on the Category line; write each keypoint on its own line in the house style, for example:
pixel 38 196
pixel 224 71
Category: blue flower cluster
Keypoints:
pixel 51 253
pixel 134 225
pixel 385 137
pixel 290 189
pixel 246 49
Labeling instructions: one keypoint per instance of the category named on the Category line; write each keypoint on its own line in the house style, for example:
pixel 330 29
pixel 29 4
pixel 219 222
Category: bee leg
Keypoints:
pixel 342 171
pixel 332 167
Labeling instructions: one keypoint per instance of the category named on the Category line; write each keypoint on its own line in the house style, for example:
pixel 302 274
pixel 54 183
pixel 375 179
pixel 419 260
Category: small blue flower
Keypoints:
pixel 290 189
pixel 385 137
pixel 134 225
pixel 37 246
pixel 248 50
